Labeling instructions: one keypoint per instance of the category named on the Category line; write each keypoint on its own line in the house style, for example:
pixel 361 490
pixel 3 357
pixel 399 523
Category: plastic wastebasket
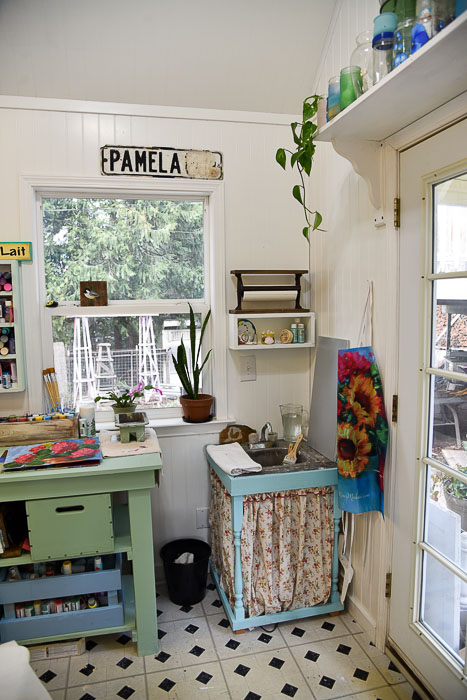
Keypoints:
pixel 186 583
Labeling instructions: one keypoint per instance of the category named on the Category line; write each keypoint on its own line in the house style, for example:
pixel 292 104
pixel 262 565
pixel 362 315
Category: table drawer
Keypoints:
pixel 70 527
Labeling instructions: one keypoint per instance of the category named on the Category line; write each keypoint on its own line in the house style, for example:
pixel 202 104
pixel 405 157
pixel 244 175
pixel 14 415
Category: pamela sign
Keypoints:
pixel 161 162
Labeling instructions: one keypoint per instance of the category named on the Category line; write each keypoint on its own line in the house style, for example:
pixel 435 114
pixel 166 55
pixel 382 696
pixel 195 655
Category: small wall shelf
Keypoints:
pixel 274 322
pixel 13 362
pixel 433 76
pixel 269 291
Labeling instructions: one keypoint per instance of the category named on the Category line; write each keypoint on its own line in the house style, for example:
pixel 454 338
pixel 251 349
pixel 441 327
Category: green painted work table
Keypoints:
pixel 92 524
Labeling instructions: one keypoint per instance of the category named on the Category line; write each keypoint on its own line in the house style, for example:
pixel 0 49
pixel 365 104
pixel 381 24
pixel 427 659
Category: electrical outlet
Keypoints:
pixel 202 518
pixel 247 368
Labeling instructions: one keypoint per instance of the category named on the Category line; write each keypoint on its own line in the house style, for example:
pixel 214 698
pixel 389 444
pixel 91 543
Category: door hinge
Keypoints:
pixel 397 212
pixel 395 408
pixel 388 585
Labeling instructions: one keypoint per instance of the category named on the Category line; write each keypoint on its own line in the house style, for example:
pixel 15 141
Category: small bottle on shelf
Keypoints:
pixel 301 332
pixel 294 329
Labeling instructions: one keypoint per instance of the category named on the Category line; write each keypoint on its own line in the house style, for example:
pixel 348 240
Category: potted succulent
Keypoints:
pixel 124 401
pixel 196 407
pixel 455 493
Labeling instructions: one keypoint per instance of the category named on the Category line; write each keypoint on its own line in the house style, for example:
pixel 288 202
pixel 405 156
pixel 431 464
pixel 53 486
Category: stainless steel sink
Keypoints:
pixel 271 458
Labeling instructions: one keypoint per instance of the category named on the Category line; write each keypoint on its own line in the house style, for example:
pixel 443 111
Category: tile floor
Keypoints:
pixel 200 657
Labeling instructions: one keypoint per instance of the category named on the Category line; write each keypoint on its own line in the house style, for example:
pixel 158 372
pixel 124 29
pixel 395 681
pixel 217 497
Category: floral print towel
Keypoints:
pixel 362 431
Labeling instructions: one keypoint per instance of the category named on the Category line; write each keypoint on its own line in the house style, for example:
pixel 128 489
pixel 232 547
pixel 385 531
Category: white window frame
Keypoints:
pixel 38 318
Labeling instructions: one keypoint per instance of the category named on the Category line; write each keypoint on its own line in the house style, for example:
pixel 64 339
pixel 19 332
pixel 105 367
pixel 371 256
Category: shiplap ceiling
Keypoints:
pixel 253 55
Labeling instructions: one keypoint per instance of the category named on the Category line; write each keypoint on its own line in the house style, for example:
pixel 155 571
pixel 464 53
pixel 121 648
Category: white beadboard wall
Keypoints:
pixel 344 258
pixel 262 229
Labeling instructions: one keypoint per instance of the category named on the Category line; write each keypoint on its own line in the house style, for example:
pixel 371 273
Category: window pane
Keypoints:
pixel 449 345
pixel 143 249
pixel 446 515
pixel 95 355
pixel 440 609
pixel 448 421
pixel 450 219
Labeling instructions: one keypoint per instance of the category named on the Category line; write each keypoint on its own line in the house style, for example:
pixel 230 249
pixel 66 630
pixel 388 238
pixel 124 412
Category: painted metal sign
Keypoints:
pixel 161 162
pixel 15 250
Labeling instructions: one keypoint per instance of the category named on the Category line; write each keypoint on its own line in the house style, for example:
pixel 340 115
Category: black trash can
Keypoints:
pixel 186 582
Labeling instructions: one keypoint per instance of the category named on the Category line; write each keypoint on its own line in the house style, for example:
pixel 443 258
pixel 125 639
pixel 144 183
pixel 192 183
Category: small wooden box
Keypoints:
pixel 34 432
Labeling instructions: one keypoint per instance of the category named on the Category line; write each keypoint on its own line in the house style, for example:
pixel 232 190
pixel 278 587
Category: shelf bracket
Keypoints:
pixel 367 161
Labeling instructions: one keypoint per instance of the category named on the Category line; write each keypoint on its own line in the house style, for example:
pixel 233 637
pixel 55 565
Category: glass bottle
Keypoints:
pixel 382 55
pixel 362 56
pixel 350 85
pixel 333 97
pixel 402 42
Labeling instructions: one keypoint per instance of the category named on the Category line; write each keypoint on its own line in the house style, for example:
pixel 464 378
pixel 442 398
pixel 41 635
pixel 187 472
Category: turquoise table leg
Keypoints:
pixel 237 522
pixel 139 505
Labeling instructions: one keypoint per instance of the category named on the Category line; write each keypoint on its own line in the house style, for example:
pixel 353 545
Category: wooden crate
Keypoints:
pixel 38 431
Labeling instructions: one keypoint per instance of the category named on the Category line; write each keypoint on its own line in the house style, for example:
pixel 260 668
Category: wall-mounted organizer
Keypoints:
pixel 279 291
pixel 11 335
pixel 257 324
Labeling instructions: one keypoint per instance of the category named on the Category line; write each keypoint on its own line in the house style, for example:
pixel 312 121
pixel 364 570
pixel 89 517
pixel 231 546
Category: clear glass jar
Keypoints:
pixel 362 56
pixel 402 42
pixel 382 55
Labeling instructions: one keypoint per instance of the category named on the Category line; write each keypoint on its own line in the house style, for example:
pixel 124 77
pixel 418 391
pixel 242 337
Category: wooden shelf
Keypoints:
pixel 432 77
pixel 275 322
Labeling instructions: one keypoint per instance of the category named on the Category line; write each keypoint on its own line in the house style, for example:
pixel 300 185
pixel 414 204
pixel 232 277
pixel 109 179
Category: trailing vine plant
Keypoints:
pixel 302 157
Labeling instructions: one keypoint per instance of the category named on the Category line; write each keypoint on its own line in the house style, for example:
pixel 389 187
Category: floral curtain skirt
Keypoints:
pixel 287 546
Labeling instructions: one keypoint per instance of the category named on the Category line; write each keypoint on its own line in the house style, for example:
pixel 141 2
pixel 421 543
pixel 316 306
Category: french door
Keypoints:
pixel 428 611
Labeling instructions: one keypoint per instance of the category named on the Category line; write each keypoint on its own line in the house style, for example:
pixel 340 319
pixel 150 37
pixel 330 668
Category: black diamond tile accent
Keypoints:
pixel 211 587
pixel 327 682
pixel 86 696
pixel 372 644
pixel 289 690
pixel 344 649
pixel 125 692
pixel 217 603
pixel 47 676
pixel 232 644
pixel 162 657
pixel 159 612
pixel 312 656
pixel 223 623
pixel 392 667
pixel 298 632
pixel 87 670
pixel 361 674
pixel 90 645
pixel 204 677
pixel 167 684
pixel 161 633
pixel 327 626
pixel 252 696
pixel 242 670
pixel 265 638
pixel 124 663
pixel 197 651
pixel 276 663
pixel 191 629
pixel 186 608
pixel 123 639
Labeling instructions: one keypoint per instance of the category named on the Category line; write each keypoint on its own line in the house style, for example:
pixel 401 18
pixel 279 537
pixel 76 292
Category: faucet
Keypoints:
pixel 267 426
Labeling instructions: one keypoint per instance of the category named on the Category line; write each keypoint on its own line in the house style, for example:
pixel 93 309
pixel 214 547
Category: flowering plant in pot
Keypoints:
pixel 124 401
pixel 196 406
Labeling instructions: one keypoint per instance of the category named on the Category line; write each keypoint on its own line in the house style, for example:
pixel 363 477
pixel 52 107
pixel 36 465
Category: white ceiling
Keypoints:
pixel 253 55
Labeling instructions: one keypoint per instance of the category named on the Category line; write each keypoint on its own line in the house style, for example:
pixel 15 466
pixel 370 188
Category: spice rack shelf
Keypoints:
pixel 274 322
pixel 13 363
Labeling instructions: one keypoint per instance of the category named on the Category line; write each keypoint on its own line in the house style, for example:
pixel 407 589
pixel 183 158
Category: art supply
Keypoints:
pixel 6 379
pixel 75 603
pixel 350 85
pixel 98 566
pixel 29 609
pixel 291 456
pixel 58 605
pixel 37 607
pixel 92 602
pixel 51 385
pixel 19 610
pixel 66 568
pixel 294 330
pixel 301 332
pixel 45 607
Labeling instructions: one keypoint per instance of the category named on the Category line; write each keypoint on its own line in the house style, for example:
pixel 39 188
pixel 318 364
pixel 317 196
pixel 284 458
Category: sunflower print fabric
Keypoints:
pixel 362 431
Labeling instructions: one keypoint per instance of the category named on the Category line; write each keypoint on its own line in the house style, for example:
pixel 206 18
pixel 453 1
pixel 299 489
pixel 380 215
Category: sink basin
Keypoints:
pixel 272 456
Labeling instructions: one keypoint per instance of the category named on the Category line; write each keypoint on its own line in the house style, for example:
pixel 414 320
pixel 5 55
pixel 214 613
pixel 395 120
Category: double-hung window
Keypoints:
pixel 154 253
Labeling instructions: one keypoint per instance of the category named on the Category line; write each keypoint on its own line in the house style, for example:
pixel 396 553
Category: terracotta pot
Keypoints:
pixel 197 410
pixel 124 409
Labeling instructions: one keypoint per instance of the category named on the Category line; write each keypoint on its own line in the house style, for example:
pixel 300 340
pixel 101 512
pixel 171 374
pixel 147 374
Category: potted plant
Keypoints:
pixel 302 157
pixel 455 493
pixel 196 407
pixel 124 401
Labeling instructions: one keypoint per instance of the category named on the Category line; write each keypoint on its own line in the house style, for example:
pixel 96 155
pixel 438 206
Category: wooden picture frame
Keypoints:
pixel 93 293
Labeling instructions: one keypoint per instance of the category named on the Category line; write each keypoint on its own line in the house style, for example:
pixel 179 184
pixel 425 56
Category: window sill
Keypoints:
pixel 176 427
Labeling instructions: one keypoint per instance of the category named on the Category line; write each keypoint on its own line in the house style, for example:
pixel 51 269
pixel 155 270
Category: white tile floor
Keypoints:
pixel 200 657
